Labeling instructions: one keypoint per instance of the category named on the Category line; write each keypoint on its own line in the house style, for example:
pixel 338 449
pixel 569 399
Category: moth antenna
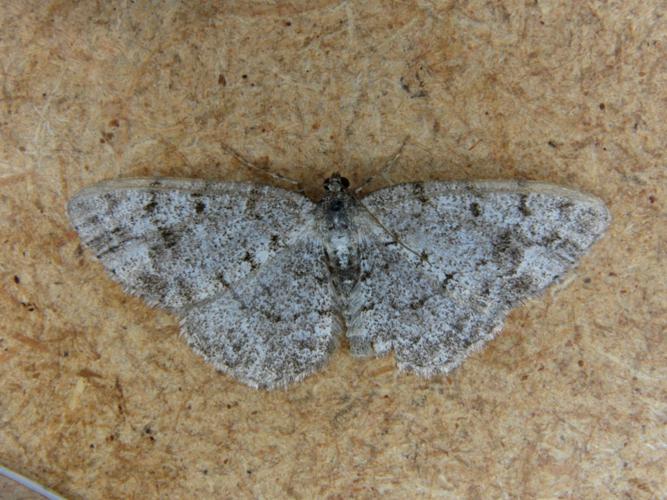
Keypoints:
pixel 388 164
pixel 249 164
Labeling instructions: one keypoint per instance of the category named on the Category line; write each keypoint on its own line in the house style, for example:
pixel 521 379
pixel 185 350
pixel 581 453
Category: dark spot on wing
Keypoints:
pixel 564 206
pixel 107 250
pixel 448 277
pixel 417 304
pixel 200 206
pixel 568 249
pixel 473 189
pixel 505 248
pixel 272 316
pixel 111 200
pixel 367 307
pixel 503 242
pixel 150 207
pixel 320 278
pixel 418 191
pixel 250 260
pixel 93 221
pixel 475 209
pixel 523 205
pixel 424 256
pixel 520 286
pixel 152 284
pixel 185 291
pixel 550 239
pixel 221 278
pixel 169 237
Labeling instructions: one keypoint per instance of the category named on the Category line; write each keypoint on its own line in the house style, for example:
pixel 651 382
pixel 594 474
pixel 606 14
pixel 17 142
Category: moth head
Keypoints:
pixel 336 183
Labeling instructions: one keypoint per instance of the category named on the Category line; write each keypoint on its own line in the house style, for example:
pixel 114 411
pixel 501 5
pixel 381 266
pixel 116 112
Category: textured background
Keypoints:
pixel 101 399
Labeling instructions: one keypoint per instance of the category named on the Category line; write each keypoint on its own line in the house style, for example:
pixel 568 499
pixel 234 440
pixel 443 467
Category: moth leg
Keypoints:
pixel 388 164
pixel 249 164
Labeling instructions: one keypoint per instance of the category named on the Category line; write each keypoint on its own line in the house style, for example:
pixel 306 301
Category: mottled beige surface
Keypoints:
pixel 101 399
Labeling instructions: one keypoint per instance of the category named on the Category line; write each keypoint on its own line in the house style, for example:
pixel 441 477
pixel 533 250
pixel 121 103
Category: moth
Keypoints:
pixel 267 282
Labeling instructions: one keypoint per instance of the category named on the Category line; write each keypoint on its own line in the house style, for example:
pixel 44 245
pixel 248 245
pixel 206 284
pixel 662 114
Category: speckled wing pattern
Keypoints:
pixel 448 260
pixel 245 266
pixel 204 250
pixel 273 328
